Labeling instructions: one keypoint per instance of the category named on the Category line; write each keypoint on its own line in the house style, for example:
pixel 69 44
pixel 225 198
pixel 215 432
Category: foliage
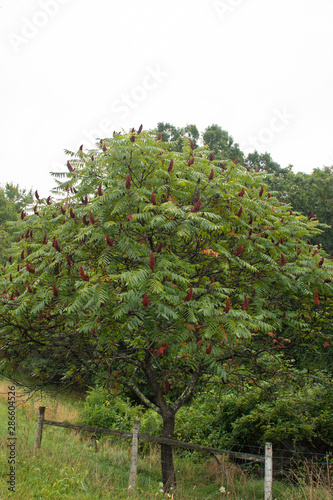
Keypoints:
pixel 175 135
pixel 222 144
pixel 111 411
pixel 160 265
pixel 12 199
pixel 312 193
pixel 102 409
pixel 20 197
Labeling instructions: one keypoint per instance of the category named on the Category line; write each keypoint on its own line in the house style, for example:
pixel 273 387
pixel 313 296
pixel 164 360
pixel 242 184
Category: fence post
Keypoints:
pixel 39 428
pixel 268 471
pixel 134 458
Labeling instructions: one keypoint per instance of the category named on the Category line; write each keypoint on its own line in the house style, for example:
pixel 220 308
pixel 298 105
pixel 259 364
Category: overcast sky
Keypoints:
pixel 75 70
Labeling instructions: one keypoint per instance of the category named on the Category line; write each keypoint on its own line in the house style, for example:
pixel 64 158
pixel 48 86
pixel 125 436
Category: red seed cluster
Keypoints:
pixel 109 241
pixel 245 306
pixel 227 306
pixel 197 206
pixel 239 250
pixel 145 301
pixel 83 275
pixel 56 245
pixel 153 198
pixel 152 262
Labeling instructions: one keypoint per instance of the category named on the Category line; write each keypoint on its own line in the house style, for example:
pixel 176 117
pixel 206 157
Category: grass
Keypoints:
pixel 67 466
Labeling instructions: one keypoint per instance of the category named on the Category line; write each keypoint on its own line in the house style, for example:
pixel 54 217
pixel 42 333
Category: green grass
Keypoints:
pixel 67 466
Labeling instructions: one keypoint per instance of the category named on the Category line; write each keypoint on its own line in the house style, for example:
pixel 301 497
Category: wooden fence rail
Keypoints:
pixel 156 439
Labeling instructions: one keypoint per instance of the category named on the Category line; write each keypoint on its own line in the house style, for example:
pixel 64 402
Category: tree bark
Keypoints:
pixel 168 471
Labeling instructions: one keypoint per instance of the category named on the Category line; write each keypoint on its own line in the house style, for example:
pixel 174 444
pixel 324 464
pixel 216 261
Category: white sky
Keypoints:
pixel 72 69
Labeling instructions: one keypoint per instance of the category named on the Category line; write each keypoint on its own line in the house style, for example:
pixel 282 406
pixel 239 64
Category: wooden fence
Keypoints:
pixel 135 436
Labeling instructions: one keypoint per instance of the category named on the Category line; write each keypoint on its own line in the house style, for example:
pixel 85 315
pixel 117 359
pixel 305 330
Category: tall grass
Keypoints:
pixel 67 466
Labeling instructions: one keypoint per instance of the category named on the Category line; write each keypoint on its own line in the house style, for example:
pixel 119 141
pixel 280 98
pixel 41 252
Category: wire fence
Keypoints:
pixel 225 471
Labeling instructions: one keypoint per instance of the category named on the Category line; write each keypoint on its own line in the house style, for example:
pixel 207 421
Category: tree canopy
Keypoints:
pixel 161 264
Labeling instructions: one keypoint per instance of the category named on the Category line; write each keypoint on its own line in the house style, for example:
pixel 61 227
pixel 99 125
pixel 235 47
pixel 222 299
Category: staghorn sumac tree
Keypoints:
pixel 162 265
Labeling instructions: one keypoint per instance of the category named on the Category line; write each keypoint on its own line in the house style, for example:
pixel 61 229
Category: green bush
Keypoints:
pixel 102 409
pixel 110 411
pixel 290 416
pixel 293 417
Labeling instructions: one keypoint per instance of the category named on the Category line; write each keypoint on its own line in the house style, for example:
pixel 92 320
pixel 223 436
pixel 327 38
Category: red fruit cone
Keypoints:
pixel 209 349
pixel 55 245
pixel 145 301
pixel 109 241
pixel 153 198
pixel 245 306
pixel 239 251
pixel 91 218
pixel 227 306
pixel 30 269
pixel 152 262
pixel 197 206
pixel 84 276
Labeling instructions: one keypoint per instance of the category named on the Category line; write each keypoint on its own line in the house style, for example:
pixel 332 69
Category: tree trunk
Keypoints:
pixel 168 471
